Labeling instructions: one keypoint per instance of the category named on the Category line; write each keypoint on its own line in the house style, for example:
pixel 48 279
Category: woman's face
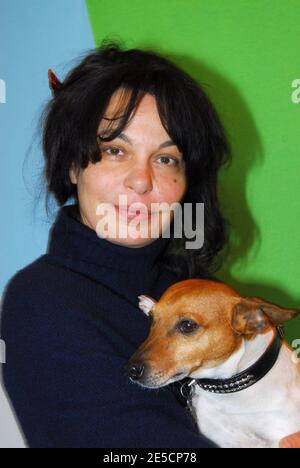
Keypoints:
pixel 139 165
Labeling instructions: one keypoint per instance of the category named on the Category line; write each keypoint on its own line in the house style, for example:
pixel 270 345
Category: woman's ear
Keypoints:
pixel 73 175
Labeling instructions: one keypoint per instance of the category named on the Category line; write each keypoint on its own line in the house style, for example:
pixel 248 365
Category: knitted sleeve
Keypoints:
pixel 67 382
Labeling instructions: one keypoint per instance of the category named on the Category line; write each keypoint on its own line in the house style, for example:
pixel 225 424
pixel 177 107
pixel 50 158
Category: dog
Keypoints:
pixel 242 376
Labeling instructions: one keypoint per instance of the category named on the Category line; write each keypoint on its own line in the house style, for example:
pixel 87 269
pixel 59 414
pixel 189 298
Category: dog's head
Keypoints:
pixel 198 324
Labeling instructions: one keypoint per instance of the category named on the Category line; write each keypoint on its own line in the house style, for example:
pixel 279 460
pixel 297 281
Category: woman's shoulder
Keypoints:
pixel 43 278
pixel 29 280
pixel 40 302
pixel 24 276
pixel 38 290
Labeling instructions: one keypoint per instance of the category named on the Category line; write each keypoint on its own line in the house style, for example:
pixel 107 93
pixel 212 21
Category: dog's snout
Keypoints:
pixel 136 370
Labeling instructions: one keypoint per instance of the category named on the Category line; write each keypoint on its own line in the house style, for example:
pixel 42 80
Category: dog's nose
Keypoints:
pixel 136 370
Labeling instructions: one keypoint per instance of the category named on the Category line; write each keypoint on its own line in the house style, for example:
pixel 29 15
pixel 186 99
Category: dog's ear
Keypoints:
pixel 146 304
pixel 253 315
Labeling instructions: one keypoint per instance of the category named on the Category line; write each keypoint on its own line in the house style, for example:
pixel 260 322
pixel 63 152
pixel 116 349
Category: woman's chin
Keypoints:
pixel 130 235
pixel 130 242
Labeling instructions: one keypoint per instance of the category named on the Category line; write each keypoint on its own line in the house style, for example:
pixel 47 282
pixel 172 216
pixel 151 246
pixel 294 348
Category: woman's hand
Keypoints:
pixel 292 441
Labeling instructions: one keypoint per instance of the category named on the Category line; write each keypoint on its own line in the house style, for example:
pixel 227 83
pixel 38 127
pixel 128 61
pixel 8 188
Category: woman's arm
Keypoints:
pixel 69 386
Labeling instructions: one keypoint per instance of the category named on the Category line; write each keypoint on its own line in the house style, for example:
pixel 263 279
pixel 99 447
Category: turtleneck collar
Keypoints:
pixel 73 239
pixel 127 271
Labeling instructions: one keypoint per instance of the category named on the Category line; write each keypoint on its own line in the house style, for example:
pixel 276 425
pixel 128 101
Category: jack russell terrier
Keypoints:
pixel 243 378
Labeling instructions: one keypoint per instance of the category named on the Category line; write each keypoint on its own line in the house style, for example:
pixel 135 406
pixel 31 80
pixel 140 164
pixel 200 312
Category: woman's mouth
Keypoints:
pixel 133 214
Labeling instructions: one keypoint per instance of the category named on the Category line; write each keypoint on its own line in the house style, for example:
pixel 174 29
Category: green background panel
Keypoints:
pixel 246 56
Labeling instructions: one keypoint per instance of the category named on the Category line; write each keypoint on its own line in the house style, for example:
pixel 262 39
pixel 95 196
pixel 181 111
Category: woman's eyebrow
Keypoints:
pixel 126 138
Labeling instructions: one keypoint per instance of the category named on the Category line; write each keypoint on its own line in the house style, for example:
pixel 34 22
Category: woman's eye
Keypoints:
pixel 115 151
pixel 112 150
pixel 175 161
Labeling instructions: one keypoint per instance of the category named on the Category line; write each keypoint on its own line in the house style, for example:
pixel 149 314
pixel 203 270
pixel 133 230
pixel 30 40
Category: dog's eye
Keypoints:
pixel 187 326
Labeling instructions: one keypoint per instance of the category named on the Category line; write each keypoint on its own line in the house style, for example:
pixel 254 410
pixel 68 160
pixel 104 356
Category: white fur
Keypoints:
pixel 259 416
pixel 146 304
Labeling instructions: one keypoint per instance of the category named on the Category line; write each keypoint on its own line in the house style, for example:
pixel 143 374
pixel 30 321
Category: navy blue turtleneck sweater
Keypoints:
pixel 70 321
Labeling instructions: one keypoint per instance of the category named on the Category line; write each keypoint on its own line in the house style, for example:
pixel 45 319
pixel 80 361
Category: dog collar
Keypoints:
pixel 244 379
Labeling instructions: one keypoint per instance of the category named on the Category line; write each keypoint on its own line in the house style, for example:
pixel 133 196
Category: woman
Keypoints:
pixel 123 123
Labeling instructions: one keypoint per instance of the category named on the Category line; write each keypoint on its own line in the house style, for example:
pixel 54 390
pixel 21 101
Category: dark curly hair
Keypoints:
pixel 71 119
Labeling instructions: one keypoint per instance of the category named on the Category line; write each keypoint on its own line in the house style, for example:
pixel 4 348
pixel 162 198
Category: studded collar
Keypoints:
pixel 243 380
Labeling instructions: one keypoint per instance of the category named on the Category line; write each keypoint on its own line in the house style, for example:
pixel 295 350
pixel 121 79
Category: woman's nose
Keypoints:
pixel 139 180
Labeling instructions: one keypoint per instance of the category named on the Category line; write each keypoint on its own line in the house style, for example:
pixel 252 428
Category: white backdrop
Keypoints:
pixel 10 434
